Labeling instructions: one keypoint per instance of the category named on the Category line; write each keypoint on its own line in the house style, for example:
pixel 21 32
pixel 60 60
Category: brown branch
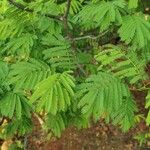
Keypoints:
pixel 65 18
pixel 67 9
pixel 24 8
pixel 69 35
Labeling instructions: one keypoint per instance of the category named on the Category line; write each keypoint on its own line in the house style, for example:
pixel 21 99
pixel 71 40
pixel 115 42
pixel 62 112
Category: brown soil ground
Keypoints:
pixel 98 137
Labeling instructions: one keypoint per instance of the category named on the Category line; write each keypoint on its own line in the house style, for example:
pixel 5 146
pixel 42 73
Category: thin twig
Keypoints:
pixel 140 89
pixel 25 142
pixel 24 8
pixel 82 70
pixel 90 36
pixel 41 121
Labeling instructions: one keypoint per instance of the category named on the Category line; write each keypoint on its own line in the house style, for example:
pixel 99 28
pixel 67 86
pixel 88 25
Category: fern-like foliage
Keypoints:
pixel 4 70
pixel 102 95
pixel 102 14
pixel 122 64
pixel 59 53
pixel 147 106
pixel 76 5
pixel 25 75
pixel 3 6
pixel 18 127
pixel 133 3
pixel 44 23
pixel 125 116
pixel 14 104
pixel 55 123
pixel 14 23
pixel 45 7
pixel 21 45
pixel 55 7
pixel 54 94
pixel 6 25
pixel 135 30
